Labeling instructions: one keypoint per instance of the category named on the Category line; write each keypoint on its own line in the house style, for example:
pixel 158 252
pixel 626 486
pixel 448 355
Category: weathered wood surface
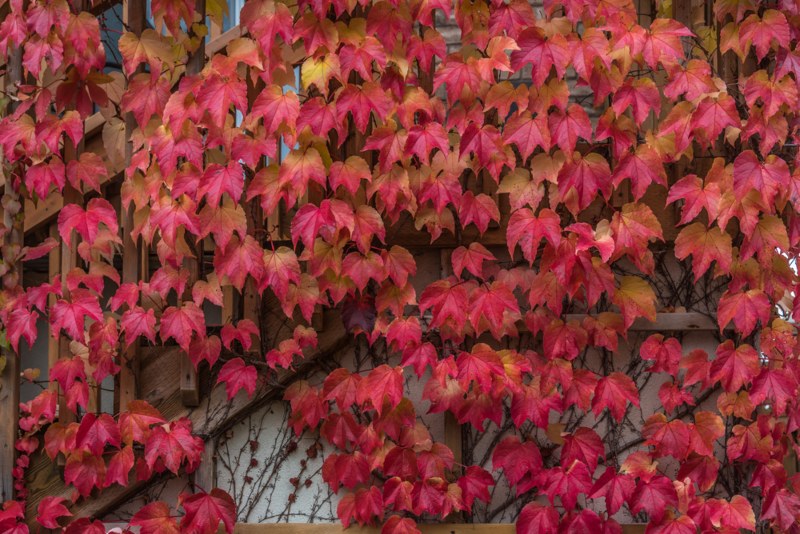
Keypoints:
pixel 10 377
pixel 667 322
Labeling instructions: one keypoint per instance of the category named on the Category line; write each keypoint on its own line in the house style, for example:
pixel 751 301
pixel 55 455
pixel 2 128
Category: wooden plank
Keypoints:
pixel 190 382
pixel 440 528
pixel 666 322
pixel 9 377
pixel 54 268
pixel 216 44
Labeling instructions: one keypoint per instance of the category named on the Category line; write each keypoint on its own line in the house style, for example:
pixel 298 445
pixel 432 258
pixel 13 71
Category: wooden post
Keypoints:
pixel 133 17
pixel 190 384
pixel 13 220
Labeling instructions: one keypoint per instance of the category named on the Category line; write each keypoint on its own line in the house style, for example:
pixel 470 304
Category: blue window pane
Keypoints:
pixel 111 29
pixel 232 18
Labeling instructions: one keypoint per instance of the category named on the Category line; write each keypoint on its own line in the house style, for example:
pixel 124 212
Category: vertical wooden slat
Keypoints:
pixel 9 378
pixel 54 268
pixel 134 17
pixel 189 382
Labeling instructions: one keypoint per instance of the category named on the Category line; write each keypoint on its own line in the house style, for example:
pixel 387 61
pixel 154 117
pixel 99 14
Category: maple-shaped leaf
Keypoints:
pixel 542 52
pixel 517 459
pixel 20 323
pixel 138 322
pixel 70 315
pixel 400 525
pixel 768 178
pixel 744 308
pixel 180 323
pixel 282 268
pixel 527 132
pixel 448 300
pixel 734 366
pixel 643 167
pixel 86 222
pixel 362 100
pixel 537 518
pixel 778 385
pixel 641 94
pixel 493 307
pixel 695 196
pixel 349 173
pixel 773 92
pixel 663 43
pixel 581 178
pixel 97 432
pixel 633 227
pixel 240 259
pixel 155 518
pixel 149 47
pixel 171 444
pixel 614 392
pixel 693 80
pixel 705 246
pixel 566 127
pixel 527 229
pixel 712 116
pixel 119 467
pixel 615 488
pixel 423 139
pixel 85 471
pixel 279 110
pixel 670 438
pixel 382 384
pixel 236 376
pixel 736 514
pixel 666 354
pixel 583 445
pixel 762 31
pixel 136 421
pixel 475 484
pixel 654 497
pixel 635 298
pixel 471 259
pixel 480 210
pixel 49 510
pixel 781 507
pixel 205 511
pixel 672 396
pixel 243 332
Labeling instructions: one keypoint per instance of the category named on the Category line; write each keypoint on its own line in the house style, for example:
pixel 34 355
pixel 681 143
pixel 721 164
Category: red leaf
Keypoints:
pixel 236 376
pixel 173 443
pixel 49 510
pixel 537 518
pixel 97 432
pixel 583 445
pixel 155 518
pixel 205 511
pixel 614 392
pixel 734 366
pixel 180 323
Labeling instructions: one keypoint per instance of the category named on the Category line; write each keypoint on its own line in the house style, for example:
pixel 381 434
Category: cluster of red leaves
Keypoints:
pixel 434 134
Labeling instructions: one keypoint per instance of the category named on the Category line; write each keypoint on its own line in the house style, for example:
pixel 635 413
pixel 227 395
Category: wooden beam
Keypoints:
pixel 190 382
pixel 667 322
pixel 134 17
pixel 216 44
pixel 12 220
pixel 439 528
